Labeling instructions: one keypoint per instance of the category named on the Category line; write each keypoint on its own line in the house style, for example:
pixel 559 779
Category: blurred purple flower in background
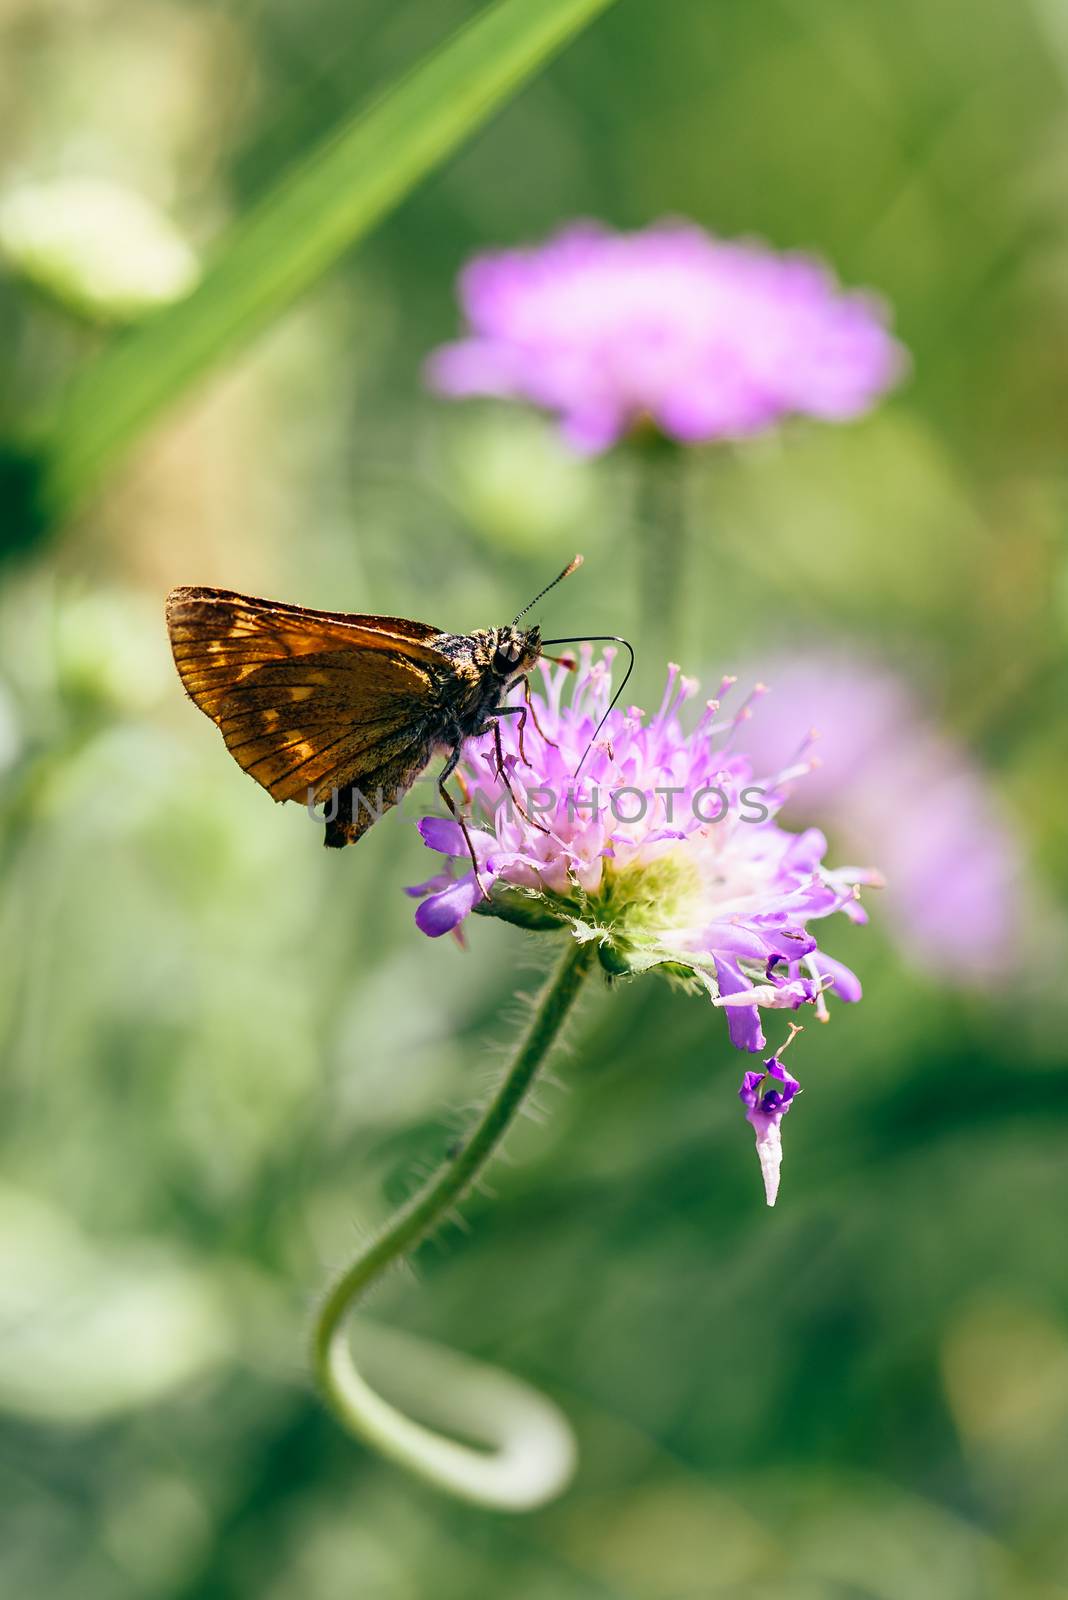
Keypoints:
pixel 894 785
pixel 702 338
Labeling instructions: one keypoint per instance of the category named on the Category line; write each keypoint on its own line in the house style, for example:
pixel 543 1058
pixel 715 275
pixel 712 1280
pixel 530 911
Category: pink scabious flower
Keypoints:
pixel 703 338
pixel 665 852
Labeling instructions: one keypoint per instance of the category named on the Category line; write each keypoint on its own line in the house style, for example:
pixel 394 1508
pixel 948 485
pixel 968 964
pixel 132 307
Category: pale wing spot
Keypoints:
pixel 295 754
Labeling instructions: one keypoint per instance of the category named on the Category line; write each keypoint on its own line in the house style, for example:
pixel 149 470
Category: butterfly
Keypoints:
pixel 326 706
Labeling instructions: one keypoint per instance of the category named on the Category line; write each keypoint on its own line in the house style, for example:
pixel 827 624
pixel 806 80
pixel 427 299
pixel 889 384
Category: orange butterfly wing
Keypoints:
pixel 309 700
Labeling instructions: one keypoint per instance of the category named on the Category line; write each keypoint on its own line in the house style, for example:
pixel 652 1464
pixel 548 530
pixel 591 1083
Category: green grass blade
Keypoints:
pixel 297 231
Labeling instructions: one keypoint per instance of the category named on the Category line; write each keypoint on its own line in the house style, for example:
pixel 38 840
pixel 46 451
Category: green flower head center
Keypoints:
pixel 645 897
pixel 636 906
pixel 634 913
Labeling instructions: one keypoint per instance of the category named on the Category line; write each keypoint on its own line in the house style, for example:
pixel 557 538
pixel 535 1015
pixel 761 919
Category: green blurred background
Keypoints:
pixel 226 1056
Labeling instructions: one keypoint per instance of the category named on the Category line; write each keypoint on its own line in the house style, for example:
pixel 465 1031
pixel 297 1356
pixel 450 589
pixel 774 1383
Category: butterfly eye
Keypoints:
pixel 506 656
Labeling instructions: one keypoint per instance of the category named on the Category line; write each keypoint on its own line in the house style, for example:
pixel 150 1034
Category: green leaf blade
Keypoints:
pixel 285 243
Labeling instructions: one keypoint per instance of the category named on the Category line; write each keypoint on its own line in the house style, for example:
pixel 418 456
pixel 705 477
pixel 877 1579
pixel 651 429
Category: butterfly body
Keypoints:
pixel 343 710
pixel 481 664
pixel 463 699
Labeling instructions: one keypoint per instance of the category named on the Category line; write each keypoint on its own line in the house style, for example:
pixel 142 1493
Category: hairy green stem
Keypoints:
pixel 533 1453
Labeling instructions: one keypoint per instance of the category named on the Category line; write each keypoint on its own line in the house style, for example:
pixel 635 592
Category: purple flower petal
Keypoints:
pixel 759 944
pixel 446 837
pixel 440 880
pixel 591 432
pixel 769 1149
pixel 776 1071
pixel 441 913
pixel 743 1022
pixel 844 982
pixel 749 1092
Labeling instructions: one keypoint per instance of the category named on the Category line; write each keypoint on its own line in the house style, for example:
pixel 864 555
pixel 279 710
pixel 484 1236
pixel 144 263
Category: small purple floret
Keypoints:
pixel 768 1096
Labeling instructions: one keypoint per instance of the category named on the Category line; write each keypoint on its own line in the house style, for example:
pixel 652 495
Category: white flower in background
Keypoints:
pixel 97 247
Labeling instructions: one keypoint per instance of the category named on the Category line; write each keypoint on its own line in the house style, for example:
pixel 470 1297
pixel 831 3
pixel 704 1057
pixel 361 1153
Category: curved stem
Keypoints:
pixel 534 1451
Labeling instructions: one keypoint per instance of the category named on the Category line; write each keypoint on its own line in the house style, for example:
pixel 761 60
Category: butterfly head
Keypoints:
pixel 515 650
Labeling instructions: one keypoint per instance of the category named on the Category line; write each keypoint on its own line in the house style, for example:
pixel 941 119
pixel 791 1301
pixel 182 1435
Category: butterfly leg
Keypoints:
pixel 502 772
pixel 445 774
pixel 522 712
pixel 507 711
pixel 534 715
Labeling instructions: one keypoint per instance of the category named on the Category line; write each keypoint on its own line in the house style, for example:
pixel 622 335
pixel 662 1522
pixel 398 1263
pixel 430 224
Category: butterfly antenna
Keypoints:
pixel 568 570
pixel 600 638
